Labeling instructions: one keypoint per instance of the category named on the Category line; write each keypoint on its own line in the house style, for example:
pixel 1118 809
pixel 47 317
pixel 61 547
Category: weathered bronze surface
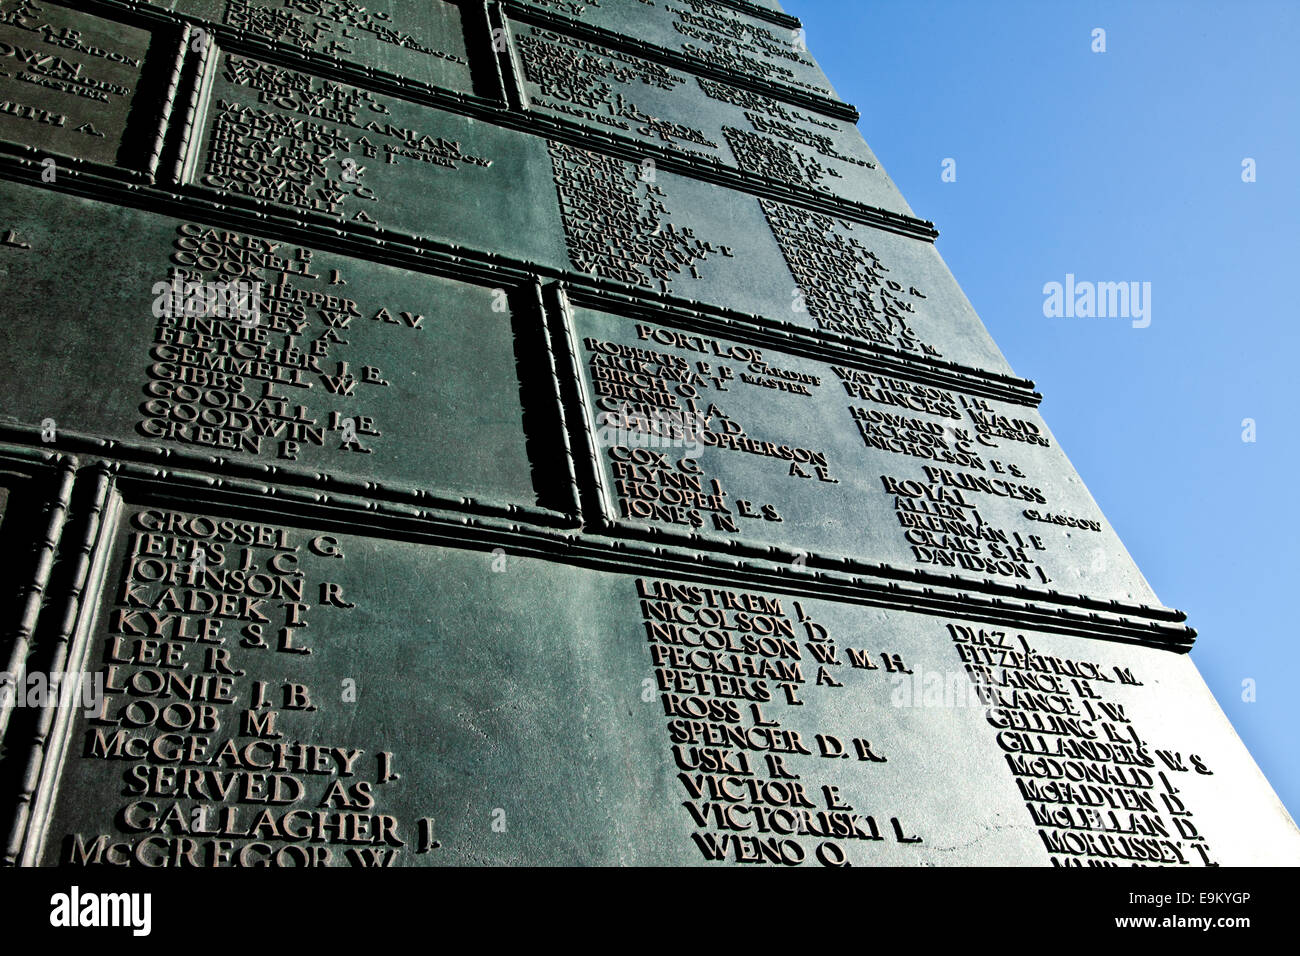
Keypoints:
pixel 350 368
pixel 537 432
pixel 727 442
pixel 763 48
pixel 421 43
pixel 579 79
pixel 70 80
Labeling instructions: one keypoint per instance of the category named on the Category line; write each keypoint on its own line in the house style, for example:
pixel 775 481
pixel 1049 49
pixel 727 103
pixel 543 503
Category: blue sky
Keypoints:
pixel 1126 166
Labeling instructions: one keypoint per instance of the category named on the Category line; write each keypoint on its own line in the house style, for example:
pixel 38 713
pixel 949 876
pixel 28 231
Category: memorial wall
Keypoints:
pixel 461 433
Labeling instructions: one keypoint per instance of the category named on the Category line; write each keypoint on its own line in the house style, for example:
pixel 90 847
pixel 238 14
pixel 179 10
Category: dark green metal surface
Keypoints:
pixel 610 471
